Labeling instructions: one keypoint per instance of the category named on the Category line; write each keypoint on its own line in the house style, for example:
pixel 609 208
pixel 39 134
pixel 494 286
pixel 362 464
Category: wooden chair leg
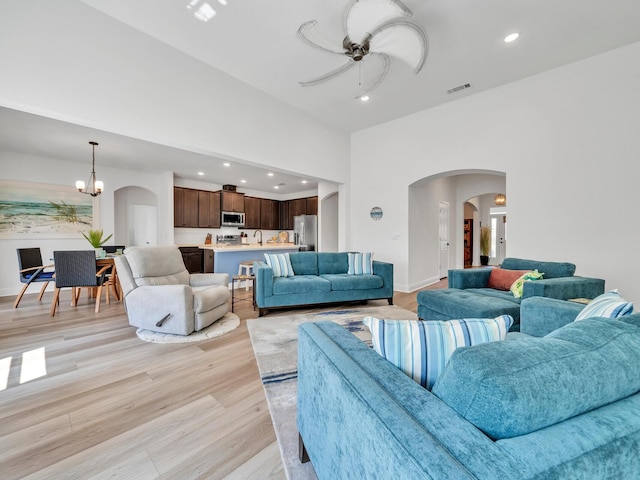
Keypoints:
pixel 54 302
pixel 98 298
pixel 19 297
pixel 44 287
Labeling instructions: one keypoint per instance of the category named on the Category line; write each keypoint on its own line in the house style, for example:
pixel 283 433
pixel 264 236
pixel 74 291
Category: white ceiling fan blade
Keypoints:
pixel 403 40
pixel 329 75
pixel 309 33
pixel 379 76
pixel 364 16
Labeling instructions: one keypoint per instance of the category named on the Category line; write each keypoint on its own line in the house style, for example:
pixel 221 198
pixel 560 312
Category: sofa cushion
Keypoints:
pixel 502 279
pixel 300 284
pixel 360 263
pixel 158 265
pixel 421 349
pixel 550 269
pixel 330 262
pixel 345 281
pixel 497 294
pixel 609 305
pixel 280 264
pixel 469 303
pixel 513 388
pixel 304 263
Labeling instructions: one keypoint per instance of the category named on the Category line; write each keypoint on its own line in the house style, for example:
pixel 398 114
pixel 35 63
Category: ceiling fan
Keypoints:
pixel 375 30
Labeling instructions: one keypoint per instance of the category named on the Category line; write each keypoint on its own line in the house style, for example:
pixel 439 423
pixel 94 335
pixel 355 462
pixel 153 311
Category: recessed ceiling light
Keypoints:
pixel 204 12
pixel 365 98
pixel 200 173
pixel 222 2
pixel 226 164
pixel 243 181
pixel 276 187
pixel 304 181
pixel 270 174
pixel 511 37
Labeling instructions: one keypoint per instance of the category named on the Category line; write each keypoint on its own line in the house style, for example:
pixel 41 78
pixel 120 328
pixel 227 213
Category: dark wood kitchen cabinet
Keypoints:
pixel 232 202
pixel 312 205
pixel 252 216
pixel 285 220
pixel 269 214
pixel 185 207
pixel 208 209
pixel 193 258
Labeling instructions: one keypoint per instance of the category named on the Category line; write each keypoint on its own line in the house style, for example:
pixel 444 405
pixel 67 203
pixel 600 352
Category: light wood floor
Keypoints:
pixel 111 406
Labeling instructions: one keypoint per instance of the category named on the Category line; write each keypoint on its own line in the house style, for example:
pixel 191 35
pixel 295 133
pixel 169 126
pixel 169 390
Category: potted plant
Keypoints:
pixel 485 244
pixel 95 238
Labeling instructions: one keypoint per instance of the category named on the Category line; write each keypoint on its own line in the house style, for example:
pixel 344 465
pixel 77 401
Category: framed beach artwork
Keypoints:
pixel 42 210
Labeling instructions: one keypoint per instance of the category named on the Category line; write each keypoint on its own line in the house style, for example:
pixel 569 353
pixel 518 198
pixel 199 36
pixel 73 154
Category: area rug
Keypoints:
pixel 227 323
pixel 275 344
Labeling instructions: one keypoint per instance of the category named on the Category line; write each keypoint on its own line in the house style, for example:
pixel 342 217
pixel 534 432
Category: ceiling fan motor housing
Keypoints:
pixel 354 50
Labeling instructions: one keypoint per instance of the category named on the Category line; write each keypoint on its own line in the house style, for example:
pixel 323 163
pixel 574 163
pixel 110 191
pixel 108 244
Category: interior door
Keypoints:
pixel 142 227
pixel 499 240
pixel 443 233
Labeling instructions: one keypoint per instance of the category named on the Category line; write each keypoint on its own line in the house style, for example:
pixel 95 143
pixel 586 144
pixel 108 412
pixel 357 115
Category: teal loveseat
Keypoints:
pixel 468 295
pixel 564 406
pixel 320 277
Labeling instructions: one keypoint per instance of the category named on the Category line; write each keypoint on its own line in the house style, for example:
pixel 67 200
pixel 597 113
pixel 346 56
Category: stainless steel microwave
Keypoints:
pixel 232 219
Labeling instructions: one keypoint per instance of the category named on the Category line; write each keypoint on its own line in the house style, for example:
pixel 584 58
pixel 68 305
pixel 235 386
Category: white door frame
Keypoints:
pixel 443 236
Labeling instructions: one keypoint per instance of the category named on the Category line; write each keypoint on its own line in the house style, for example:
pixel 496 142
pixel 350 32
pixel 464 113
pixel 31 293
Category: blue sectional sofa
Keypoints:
pixel 320 277
pixel 468 295
pixel 564 406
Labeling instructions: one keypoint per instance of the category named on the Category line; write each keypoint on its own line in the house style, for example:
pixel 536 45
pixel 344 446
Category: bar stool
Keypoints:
pixel 246 269
pixel 237 279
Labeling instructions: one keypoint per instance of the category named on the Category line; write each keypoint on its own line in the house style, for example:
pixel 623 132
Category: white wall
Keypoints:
pixel 567 141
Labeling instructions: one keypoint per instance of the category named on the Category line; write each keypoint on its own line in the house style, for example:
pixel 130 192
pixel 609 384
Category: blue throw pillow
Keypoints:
pixel 360 264
pixel 280 264
pixel 421 349
pixel 609 305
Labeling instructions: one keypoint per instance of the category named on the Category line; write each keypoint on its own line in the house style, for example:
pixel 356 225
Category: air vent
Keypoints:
pixel 459 88
pixel 229 188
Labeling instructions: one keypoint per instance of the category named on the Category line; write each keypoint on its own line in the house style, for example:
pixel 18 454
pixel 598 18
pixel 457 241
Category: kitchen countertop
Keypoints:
pixel 248 247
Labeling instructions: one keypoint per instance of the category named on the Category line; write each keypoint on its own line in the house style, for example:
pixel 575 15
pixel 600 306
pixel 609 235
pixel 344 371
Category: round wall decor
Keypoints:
pixel 375 213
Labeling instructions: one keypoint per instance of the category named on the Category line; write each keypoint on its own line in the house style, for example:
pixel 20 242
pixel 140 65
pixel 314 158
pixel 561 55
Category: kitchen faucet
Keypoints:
pixel 255 233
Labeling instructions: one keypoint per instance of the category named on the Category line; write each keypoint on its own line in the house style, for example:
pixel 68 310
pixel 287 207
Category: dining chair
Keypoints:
pixel 77 269
pixel 31 271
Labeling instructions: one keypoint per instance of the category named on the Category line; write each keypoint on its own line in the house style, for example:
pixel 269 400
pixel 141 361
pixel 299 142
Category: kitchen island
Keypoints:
pixel 227 257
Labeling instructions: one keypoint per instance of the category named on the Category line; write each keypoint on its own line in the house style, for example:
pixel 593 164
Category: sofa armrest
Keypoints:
pixel 384 270
pixel 148 304
pixel 469 278
pixel 207 279
pixel 263 281
pixel 541 315
pixel 564 288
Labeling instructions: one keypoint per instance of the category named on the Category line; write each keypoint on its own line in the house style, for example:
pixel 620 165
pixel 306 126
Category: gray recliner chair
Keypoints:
pixel 161 295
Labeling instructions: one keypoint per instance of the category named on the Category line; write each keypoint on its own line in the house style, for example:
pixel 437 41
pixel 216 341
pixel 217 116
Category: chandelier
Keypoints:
pixel 94 186
pixel 500 200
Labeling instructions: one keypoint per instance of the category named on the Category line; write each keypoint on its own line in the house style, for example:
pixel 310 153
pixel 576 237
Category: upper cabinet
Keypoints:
pixel 312 206
pixel 232 201
pixel 252 217
pixel 270 214
pixel 185 207
pixel 208 209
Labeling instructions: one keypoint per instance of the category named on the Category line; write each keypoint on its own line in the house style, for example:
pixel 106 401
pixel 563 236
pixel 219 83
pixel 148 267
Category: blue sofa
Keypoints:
pixel 564 406
pixel 468 295
pixel 320 277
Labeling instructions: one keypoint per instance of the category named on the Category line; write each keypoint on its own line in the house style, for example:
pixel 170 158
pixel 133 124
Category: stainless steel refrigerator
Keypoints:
pixel 305 232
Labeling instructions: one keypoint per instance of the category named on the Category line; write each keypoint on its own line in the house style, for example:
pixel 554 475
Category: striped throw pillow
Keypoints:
pixel 421 349
pixel 609 305
pixel 360 263
pixel 280 263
